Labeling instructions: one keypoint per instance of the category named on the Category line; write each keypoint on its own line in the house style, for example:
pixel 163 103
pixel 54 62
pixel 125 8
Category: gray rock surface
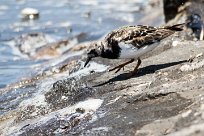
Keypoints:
pixel 166 97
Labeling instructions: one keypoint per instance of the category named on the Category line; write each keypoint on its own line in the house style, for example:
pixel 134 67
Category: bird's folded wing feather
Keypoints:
pixel 138 36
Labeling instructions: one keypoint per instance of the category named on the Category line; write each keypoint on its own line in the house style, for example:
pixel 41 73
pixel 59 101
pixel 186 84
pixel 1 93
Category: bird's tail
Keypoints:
pixel 177 27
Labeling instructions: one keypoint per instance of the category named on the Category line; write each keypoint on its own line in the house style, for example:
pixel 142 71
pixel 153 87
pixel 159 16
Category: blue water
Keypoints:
pixel 56 18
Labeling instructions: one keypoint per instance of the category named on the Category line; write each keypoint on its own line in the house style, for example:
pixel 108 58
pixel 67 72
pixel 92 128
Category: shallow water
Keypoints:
pixel 58 20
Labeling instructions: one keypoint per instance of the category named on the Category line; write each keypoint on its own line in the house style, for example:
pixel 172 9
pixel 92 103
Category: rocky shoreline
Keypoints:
pixel 164 98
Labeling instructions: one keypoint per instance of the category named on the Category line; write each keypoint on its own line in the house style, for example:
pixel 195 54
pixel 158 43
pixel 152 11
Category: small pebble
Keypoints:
pixel 199 55
pixel 186 114
pixel 64 98
pixel 80 110
pixel 92 71
pixel 175 43
pixel 166 74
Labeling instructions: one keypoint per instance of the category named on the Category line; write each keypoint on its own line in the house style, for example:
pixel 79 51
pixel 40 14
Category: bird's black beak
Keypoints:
pixel 92 54
pixel 87 61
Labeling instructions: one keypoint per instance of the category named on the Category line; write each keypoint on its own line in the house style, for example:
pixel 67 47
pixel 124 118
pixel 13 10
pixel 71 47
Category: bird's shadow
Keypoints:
pixel 142 71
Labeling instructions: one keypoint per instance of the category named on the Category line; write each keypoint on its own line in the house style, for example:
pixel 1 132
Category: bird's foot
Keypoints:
pixel 121 66
pixel 118 68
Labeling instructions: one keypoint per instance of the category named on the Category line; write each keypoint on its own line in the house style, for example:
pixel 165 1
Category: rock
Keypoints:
pixel 28 43
pixel 187 11
pixel 65 121
pixel 192 66
pixel 171 8
pixel 83 46
pixel 72 89
pixel 30 13
pixel 57 48
pixel 69 67
pixel 52 50
pixel 42 46
pixel 79 47
pixel 164 98
pixel 154 3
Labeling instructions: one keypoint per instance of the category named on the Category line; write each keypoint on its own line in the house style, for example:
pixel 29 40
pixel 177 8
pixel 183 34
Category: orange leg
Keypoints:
pixel 136 68
pixel 121 66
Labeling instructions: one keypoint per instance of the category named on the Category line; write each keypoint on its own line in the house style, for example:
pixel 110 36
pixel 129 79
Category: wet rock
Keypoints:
pixel 171 8
pixel 58 48
pixel 80 110
pixel 154 3
pixel 28 43
pixel 51 50
pixel 79 47
pixel 187 11
pixel 82 46
pixel 30 14
pixel 135 114
pixel 81 37
pixel 41 46
pixel 67 92
pixel 63 121
pixel 63 94
pixel 31 112
pixel 72 66
pixel 69 66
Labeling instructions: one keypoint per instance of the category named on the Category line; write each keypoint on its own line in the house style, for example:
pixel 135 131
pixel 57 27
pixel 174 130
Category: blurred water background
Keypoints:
pixel 58 19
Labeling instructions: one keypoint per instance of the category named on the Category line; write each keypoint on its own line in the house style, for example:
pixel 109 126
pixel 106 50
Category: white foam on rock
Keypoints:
pixel 47 83
pixel 97 130
pixel 106 129
pixel 39 98
pixel 93 66
pixel 89 105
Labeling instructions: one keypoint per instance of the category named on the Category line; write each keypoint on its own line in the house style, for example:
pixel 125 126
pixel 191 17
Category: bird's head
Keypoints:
pixel 95 51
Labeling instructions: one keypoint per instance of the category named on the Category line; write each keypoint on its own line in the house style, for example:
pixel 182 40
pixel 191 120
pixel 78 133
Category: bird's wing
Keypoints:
pixel 140 36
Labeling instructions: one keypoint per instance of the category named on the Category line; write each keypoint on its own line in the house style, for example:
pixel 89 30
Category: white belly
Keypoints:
pixel 130 52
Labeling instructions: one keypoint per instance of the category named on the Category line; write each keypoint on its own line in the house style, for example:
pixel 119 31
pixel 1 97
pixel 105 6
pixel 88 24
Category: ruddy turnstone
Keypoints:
pixel 131 42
